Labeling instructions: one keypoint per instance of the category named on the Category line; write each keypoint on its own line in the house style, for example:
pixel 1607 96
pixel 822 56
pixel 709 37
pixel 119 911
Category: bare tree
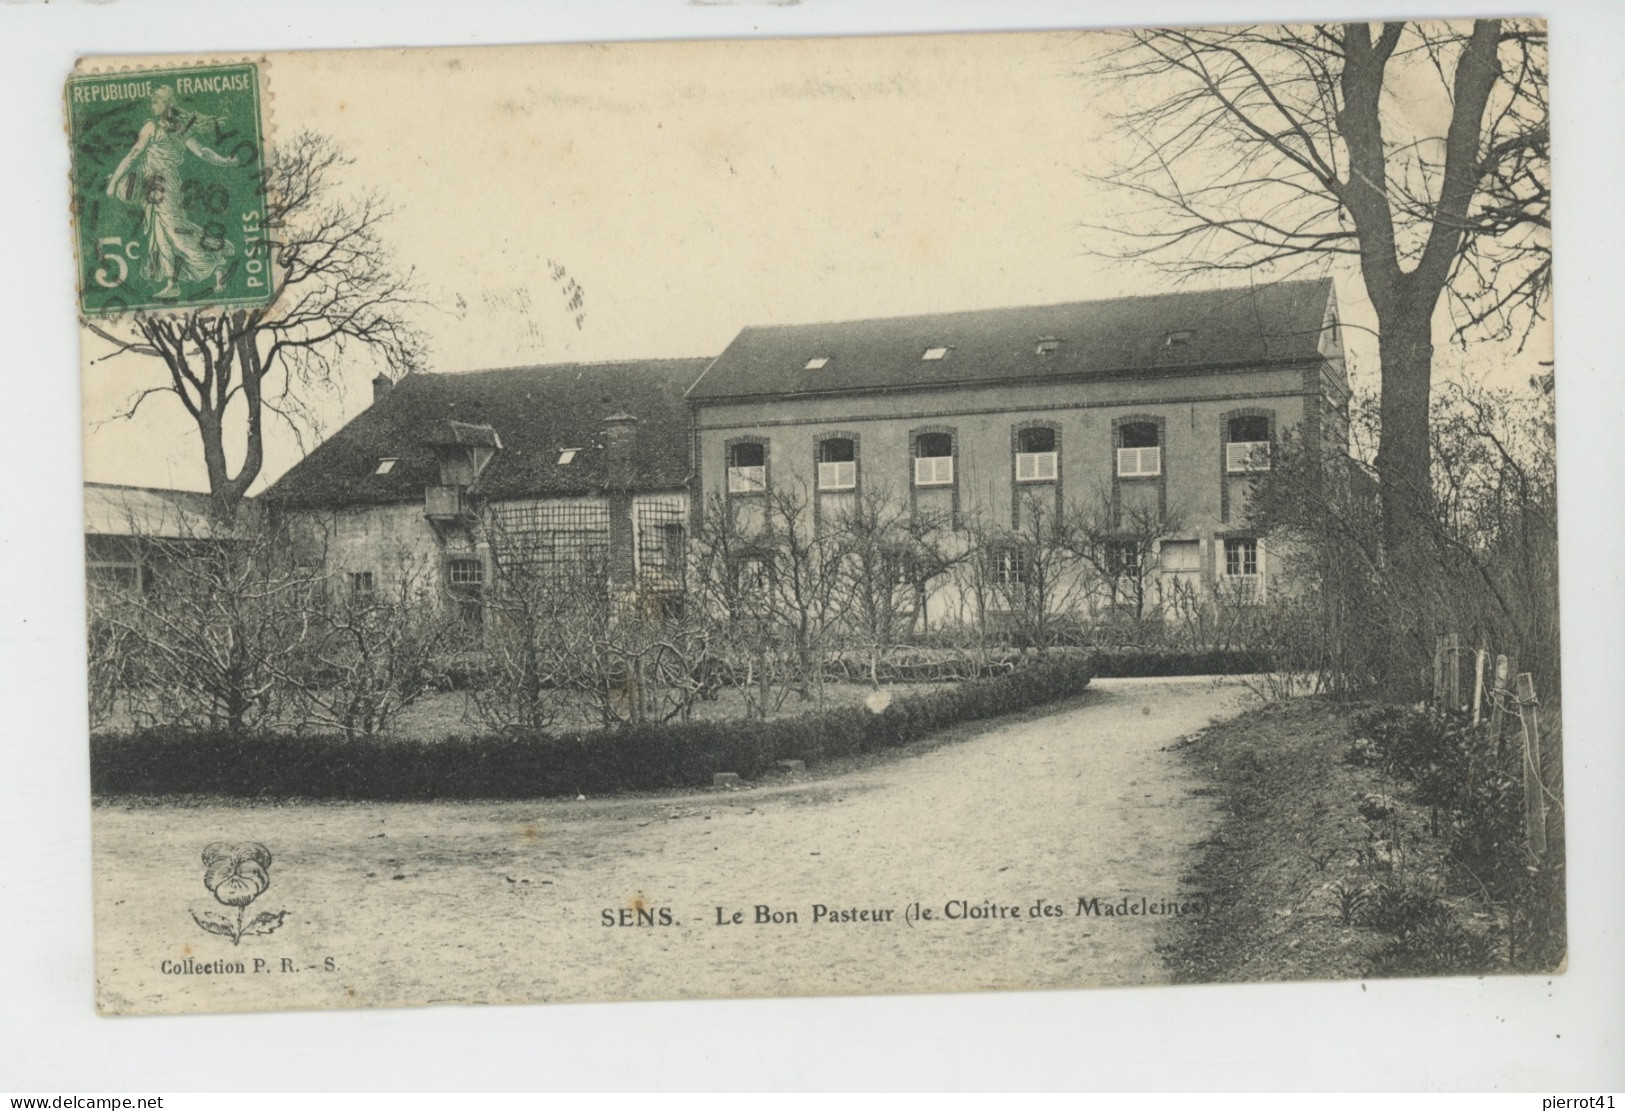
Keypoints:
pixel 1288 146
pixel 537 621
pixel 648 664
pixel 372 648
pixel 733 584
pixel 209 643
pixel 893 555
pixel 807 580
pixel 1122 547
pixel 113 654
pixel 1030 573
pixel 1484 560
pixel 337 290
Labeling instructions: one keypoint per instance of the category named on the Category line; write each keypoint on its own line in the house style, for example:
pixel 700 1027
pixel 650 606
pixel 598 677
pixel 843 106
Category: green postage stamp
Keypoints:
pixel 169 188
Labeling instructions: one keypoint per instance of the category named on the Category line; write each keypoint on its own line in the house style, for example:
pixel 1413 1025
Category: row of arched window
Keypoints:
pixel 1036 455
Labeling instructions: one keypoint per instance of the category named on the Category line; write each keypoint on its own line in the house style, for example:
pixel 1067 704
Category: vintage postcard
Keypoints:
pixel 822 516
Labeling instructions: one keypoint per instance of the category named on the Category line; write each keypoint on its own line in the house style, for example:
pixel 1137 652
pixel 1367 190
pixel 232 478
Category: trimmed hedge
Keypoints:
pixel 640 758
pixel 1136 663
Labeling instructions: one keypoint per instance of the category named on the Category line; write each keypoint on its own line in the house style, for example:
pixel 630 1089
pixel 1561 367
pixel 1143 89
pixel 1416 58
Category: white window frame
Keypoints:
pixel 1238 542
pixel 1254 583
pixel 838 476
pixel 457 573
pixel 1125 560
pixel 363 584
pixel 1133 462
pixel 1246 456
pixel 933 470
pixel 1037 466
pixel 1012 568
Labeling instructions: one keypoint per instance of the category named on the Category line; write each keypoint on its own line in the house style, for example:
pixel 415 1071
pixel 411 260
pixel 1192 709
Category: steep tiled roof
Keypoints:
pixel 1128 335
pixel 536 413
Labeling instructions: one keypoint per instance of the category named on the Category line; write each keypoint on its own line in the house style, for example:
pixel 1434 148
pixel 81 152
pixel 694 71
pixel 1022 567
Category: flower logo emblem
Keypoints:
pixel 236 875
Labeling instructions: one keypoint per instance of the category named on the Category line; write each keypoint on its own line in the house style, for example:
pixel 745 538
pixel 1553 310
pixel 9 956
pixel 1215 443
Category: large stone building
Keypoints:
pixel 1167 405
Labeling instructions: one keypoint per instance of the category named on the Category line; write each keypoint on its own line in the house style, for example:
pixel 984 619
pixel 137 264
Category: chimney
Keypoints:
pixel 621 440
pixel 381 386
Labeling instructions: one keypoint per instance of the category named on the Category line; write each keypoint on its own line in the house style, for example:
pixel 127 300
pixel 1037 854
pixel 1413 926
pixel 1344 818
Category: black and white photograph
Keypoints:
pixel 650 515
pixel 873 515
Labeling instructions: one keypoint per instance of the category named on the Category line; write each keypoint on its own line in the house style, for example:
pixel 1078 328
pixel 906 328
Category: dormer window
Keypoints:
pixel 819 363
pixel 1177 339
pixel 933 354
pixel 385 466
pixel 1047 346
pixel 568 456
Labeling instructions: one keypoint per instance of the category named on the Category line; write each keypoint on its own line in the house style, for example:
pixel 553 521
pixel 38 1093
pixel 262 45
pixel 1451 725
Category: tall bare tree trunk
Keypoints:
pixel 1403 465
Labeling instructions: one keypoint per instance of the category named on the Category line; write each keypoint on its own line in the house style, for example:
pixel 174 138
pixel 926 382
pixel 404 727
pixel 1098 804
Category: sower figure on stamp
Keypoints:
pixel 177 249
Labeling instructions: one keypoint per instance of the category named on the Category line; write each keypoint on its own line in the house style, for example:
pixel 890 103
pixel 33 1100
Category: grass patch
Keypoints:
pixel 1323 868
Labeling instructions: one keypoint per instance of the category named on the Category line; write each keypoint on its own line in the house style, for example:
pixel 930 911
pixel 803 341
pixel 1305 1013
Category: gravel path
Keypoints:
pixel 501 902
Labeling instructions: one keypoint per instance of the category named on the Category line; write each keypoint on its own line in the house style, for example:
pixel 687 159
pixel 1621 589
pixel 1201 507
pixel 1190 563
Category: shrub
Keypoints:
pixel 1437 945
pixel 1430 749
pixel 1451 766
pixel 1133 663
pixel 637 758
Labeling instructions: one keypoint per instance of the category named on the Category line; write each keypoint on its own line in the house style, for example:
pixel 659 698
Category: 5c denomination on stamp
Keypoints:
pixel 169 189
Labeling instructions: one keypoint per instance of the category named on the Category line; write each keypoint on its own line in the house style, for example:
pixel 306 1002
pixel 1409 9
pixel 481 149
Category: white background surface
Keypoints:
pixel 1561 1034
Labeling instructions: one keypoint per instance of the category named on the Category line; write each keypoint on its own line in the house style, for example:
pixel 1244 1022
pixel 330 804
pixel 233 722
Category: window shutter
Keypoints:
pixel 1244 457
pixel 1139 462
pixel 838 476
pixel 934 470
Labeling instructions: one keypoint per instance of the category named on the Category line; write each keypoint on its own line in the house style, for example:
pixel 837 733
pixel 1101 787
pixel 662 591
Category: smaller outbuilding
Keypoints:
pixel 133 532
pixel 562 466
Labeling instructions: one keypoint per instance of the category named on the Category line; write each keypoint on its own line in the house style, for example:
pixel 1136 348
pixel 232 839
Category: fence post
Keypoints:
pixel 1438 670
pixel 1480 657
pixel 1452 648
pixel 1534 792
pixel 1500 691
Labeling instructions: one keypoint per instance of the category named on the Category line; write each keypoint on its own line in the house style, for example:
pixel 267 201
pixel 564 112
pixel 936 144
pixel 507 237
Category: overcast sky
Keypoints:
pixel 690 190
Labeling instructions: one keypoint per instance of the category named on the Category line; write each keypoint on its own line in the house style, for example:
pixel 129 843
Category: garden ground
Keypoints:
pixel 497 902
pixel 1294 864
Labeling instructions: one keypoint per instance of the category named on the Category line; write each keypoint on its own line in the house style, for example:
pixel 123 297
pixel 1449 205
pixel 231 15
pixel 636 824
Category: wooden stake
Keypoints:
pixel 1480 658
pixel 1453 678
pixel 1502 688
pixel 1534 793
pixel 1438 670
